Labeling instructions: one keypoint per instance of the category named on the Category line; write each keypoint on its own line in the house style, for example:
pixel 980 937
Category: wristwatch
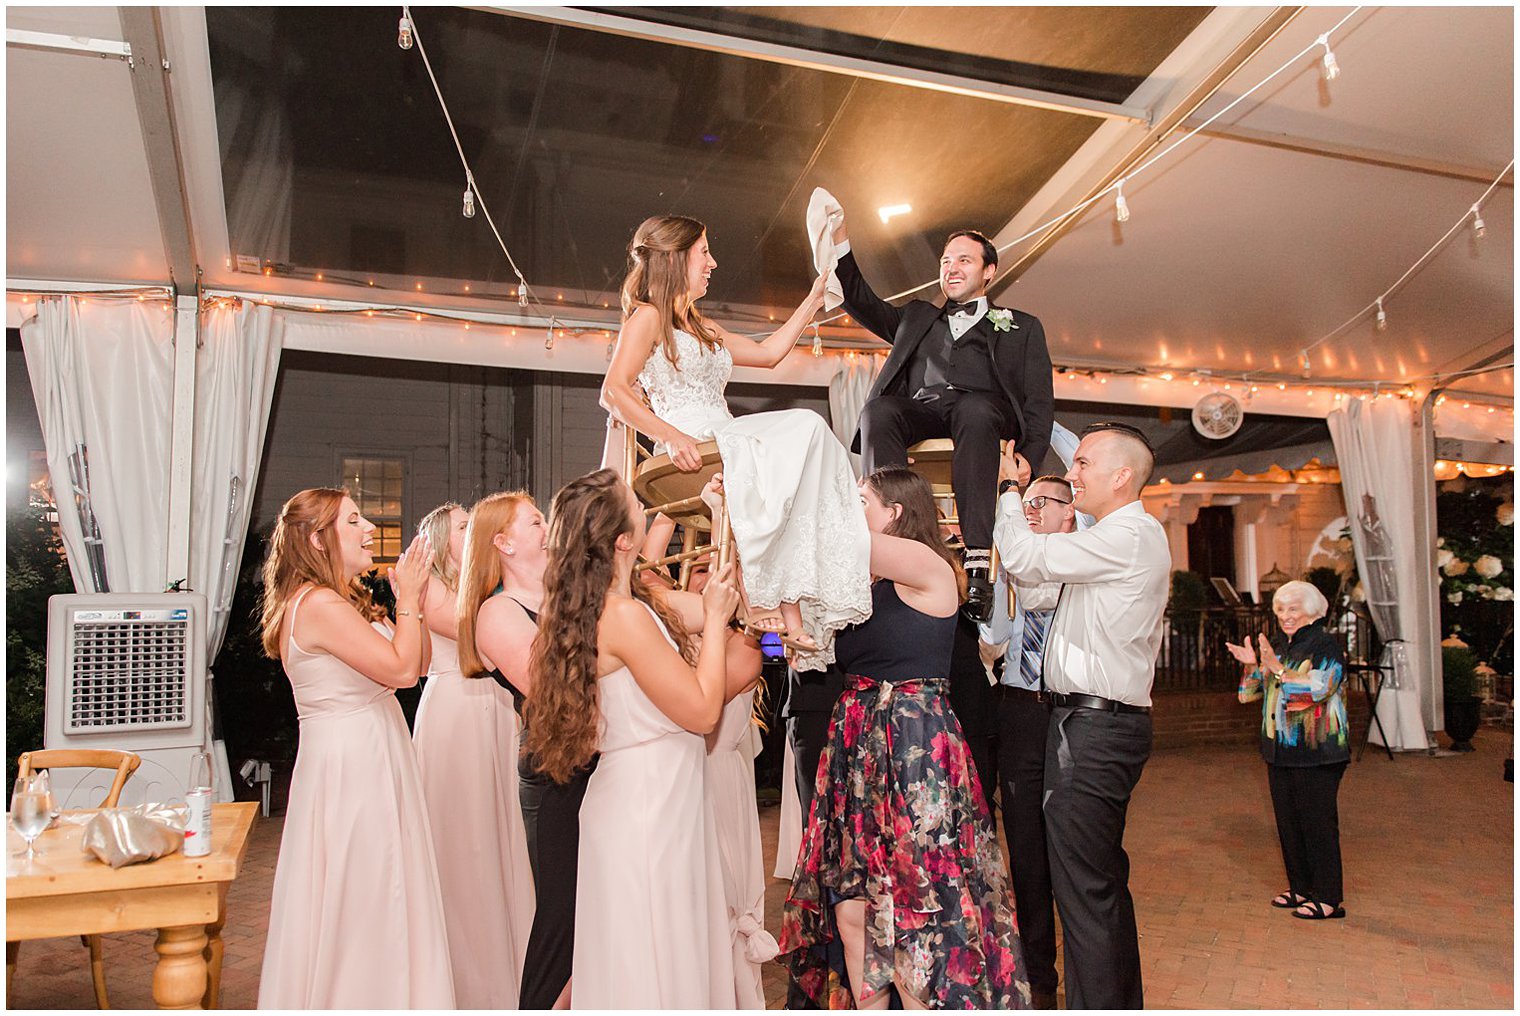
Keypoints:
pixel 1006 486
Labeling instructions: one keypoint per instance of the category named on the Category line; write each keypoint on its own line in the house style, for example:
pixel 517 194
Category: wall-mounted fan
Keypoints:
pixel 1218 416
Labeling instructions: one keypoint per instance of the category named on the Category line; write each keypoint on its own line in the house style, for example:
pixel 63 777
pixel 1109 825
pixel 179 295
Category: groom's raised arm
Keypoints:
pixel 877 315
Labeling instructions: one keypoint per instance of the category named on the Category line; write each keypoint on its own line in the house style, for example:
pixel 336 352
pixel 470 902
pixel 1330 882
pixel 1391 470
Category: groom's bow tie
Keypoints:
pixel 951 307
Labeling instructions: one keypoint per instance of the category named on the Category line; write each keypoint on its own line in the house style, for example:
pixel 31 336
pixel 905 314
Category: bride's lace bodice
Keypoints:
pixel 690 399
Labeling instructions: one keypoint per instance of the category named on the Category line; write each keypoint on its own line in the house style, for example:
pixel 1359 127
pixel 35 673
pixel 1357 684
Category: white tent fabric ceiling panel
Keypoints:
pixel 79 202
pixel 1427 82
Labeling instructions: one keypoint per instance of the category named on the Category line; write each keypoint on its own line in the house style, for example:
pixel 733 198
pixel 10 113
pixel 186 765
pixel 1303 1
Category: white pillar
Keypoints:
pixel 1425 634
pixel 182 429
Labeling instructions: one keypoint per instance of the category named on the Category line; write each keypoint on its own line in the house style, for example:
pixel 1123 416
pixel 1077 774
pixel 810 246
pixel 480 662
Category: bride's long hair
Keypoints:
pixel 657 258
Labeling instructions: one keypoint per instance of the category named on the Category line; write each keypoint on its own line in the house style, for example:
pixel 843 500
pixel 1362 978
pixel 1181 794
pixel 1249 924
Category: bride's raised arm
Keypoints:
pixel 773 349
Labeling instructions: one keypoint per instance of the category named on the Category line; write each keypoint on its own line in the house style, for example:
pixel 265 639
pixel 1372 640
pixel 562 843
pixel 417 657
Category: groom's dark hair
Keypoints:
pixel 989 252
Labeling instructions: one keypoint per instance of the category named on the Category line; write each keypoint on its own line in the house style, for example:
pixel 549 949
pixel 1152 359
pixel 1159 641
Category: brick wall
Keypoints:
pixel 1190 719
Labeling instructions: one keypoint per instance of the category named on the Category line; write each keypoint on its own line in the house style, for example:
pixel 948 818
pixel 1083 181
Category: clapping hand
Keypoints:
pixel 1243 652
pixel 410 573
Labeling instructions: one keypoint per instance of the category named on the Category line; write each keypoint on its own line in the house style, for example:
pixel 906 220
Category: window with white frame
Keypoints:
pixel 377 484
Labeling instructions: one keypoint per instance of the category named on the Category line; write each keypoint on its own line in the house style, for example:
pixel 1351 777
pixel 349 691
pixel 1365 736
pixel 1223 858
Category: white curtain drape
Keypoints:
pixel 1375 449
pixel 848 389
pixel 235 368
pixel 102 372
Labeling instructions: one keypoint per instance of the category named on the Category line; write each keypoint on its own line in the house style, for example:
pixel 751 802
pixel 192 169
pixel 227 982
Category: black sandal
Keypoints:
pixel 1289 900
pixel 1319 912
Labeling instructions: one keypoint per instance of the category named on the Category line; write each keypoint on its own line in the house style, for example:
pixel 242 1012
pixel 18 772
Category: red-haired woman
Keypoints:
pixel 791 490
pixel 613 673
pixel 356 920
pixel 466 740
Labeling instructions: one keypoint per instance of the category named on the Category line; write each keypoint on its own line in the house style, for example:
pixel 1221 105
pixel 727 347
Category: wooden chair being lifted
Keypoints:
pixel 125 763
pixel 932 460
pixel 664 489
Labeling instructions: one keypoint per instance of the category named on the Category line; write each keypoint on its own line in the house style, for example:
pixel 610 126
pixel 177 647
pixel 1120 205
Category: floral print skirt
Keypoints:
pixel 899 821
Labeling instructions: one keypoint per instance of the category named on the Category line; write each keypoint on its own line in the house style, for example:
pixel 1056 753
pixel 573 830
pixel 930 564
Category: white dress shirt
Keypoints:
pixel 1106 632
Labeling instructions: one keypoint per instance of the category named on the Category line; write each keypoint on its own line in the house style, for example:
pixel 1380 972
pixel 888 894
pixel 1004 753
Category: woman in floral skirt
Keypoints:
pixel 899 883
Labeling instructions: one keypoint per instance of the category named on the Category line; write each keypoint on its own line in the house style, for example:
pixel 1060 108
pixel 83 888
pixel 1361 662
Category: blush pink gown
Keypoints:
pixel 731 794
pixel 650 927
pixel 356 920
pixel 466 741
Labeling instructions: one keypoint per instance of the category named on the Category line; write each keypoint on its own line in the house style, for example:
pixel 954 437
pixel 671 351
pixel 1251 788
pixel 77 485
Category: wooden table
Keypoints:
pixel 66 892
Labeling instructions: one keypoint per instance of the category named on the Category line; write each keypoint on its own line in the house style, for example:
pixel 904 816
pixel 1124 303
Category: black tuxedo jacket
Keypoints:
pixel 1020 359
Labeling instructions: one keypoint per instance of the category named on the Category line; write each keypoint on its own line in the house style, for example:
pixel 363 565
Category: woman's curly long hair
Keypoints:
pixel 563 710
pixel 898 485
pixel 657 257
pixel 293 562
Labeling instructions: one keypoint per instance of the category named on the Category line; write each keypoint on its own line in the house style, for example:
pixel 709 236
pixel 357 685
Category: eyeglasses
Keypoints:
pixel 1038 503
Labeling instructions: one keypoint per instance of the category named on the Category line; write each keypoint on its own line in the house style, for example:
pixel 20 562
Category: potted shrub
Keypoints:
pixel 1459 676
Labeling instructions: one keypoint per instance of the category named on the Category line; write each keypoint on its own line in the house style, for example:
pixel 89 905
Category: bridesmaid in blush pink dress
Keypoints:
pixel 356 920
pixel 466 741
pixel 613 673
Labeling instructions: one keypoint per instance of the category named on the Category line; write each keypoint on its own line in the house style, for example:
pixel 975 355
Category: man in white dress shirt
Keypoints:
pixel 1100 662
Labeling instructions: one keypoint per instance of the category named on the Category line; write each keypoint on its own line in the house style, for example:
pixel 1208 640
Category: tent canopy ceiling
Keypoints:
pixel 313 145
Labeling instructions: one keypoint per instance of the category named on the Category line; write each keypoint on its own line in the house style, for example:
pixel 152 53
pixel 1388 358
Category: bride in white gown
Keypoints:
pixel 796 513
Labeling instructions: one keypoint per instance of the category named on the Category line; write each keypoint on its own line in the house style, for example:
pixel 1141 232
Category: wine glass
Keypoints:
pixel 42 784
pixel 29 812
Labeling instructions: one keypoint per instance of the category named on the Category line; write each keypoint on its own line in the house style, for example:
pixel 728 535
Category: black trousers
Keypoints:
pixel 1023 723
pixel 810 699
pixel 972 702
pixel 1308 825
pixel 551 819
pixel 975 421
pixel 1093 761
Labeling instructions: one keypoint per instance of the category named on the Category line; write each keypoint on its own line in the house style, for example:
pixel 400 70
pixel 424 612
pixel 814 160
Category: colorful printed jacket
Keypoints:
pixel 1303 720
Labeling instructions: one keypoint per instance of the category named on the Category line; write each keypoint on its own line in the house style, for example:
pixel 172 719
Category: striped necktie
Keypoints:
pixel 1036 622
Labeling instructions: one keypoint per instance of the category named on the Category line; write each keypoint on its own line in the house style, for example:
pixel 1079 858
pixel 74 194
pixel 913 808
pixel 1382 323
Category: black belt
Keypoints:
pixel 1095 702
pixel 1015 691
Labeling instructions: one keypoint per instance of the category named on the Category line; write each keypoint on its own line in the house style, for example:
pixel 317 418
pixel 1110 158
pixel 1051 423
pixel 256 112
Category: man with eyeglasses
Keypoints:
pixel 1098 667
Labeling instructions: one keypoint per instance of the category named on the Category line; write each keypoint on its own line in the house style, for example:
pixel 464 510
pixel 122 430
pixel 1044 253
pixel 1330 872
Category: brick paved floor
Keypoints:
pixel 1429 856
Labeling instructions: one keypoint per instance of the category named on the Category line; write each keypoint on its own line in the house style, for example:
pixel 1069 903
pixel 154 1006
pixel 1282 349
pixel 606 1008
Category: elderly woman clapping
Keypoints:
pixel 1299 676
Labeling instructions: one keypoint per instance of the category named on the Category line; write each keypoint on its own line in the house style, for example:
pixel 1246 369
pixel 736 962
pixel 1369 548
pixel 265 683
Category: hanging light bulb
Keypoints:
pixel 1121 206
pixel 549 335
pixel 817 342
pixel 1382 318
pixel 1332 69
pixel 469 196
pixel 404 31
pixel 1303 361
pixel 611 345
pixel 1479 228
pixel 522 292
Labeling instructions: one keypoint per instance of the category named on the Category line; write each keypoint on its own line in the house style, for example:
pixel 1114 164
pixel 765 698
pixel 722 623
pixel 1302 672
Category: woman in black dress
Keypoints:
pixel 501 587
pixel 899 884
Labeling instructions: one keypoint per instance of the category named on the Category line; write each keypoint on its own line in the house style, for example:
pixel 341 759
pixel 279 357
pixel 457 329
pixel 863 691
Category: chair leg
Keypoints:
pixel 97 971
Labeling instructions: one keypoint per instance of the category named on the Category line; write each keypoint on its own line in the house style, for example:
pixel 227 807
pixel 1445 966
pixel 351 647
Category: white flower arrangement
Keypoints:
pixel 1456 566
pixel 1444 557
pixel 1002 320
pixel 1488 566
pixel 1454 598
pixel 1505 514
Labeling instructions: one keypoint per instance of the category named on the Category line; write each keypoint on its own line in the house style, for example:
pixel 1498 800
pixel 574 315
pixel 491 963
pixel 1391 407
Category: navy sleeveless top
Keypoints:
pixel 897 643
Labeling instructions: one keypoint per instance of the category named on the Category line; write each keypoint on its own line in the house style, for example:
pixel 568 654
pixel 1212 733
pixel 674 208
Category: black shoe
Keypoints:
pixel 978 605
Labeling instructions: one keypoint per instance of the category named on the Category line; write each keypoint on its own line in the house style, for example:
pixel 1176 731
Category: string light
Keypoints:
pixel 1478 226
pixel 1121 206
pixel 469 196
pixel 549 335
pixel 522 291
pixel 1304 362
pixel 1382 318
pixel 817 343
pixel 1332 68
pixel 404 30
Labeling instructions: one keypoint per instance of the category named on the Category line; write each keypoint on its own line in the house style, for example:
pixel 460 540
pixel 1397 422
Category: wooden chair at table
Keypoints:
pixel 665 490
pixel 125 763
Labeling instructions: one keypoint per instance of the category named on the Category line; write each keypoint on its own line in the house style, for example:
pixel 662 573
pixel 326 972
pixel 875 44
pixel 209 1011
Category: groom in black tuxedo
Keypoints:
pixel 971 372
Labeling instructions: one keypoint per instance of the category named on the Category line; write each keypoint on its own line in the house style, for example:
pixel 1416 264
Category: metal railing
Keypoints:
pixel 1194 658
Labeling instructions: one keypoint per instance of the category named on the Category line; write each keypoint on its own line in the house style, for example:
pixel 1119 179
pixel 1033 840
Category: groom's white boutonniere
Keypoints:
pixel 1002 320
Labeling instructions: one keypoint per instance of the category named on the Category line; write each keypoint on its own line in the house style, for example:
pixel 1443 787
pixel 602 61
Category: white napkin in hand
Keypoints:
pixel 820 237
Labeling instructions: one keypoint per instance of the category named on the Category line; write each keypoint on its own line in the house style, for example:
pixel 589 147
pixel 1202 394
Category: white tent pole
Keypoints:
pixel 182 424
pixel 1426 640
